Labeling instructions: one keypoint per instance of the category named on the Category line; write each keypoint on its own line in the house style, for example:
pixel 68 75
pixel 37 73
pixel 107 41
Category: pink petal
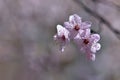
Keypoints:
pixel 68 25
pixel 91 56
pixel 74 19
pixel 86 33
pixel 95 47
pixel 95 37
pixel 81 33
pixel 86 24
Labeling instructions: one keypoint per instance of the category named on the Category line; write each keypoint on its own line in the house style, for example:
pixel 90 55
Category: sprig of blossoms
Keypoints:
pixel 80 33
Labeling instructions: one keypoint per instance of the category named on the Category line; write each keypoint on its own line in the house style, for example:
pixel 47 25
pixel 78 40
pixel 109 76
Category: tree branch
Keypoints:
pixel 99 17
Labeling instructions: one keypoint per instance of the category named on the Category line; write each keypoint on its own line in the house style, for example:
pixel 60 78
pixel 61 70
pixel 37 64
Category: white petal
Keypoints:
pixel 77 18
pixel 66 33
pixel 74 19
pixel 95 47
pixel 71 19
pixel 95 37
pixel 93 57
pixel 60 30
pixel 98 46
pixel 86 24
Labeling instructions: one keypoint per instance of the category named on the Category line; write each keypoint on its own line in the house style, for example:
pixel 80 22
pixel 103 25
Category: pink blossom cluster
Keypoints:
pixel 80 33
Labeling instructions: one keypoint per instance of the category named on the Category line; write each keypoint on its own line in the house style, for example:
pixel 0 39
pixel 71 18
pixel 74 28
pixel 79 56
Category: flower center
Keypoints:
pixel 86 41
pixel 63 37
pixel 76 27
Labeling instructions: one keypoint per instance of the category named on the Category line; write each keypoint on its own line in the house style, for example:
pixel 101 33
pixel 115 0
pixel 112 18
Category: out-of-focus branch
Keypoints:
pixel 109 3
pixel 99 17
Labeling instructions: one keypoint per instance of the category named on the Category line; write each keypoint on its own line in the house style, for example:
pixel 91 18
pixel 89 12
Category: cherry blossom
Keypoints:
pixel 62 37
pixel 75 25
pixel 87 43
pixel 80 32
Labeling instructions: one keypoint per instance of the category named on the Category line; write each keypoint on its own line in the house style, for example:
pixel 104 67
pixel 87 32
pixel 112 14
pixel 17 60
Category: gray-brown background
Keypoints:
pixel 27 49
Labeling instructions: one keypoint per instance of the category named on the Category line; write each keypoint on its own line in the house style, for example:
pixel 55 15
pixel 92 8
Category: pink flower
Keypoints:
pixel 62 37
pixel 75 25
pixel 80 32
pixel 87 43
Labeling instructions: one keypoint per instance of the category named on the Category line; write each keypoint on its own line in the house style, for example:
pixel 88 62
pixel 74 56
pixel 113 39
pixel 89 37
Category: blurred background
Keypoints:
pixel 27 49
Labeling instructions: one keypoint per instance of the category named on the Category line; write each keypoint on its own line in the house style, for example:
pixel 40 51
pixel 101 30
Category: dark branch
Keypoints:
pixel 99 17
pixel 109 3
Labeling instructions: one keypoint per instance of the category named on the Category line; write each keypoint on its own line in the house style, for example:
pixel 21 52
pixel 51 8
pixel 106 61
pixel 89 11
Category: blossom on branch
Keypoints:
pixel 75 25
pixel 87 43
pixel 80 32
pixel 62 37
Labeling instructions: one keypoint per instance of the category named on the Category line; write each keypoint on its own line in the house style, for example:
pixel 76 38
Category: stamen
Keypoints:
pixel 63 37
pixel 76 27
pixel 86 41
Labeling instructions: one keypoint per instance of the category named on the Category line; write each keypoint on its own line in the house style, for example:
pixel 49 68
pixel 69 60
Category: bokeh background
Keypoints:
pixel 27 49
